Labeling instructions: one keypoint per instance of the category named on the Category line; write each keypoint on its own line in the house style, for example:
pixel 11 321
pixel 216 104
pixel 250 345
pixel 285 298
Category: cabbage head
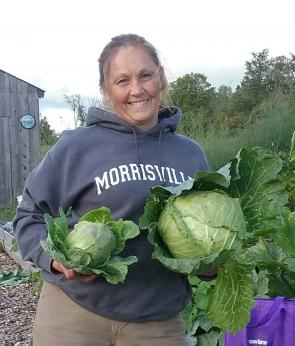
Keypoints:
pixel 96 239
pixel 201 223
pixel 94 246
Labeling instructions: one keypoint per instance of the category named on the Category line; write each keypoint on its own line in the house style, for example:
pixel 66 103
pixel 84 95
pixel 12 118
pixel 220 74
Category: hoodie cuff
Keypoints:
pixel 43 261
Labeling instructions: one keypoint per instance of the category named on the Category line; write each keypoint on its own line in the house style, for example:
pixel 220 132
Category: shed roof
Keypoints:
pixel 40 91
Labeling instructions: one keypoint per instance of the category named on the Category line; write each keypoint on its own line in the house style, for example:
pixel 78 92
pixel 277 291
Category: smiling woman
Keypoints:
pixel 132 80
pixel 112 162
pixel 133 88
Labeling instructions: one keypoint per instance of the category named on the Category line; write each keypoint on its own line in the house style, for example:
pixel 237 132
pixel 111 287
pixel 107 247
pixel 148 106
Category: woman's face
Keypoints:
pixel 133 86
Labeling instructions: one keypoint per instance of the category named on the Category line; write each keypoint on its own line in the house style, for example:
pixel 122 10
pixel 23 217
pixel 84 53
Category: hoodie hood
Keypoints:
pixel 168 121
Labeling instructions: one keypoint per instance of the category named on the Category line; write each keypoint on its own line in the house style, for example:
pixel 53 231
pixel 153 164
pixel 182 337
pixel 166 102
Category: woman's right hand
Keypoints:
pixel 71 273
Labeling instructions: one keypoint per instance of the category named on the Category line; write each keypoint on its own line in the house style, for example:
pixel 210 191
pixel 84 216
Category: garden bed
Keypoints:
pixel 17 307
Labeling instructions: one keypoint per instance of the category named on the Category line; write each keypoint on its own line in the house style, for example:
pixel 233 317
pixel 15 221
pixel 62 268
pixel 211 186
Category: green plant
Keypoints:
pixel 287 175
pixel 14 277
pixel 77 251
pixel 252 179
pixel 19 276
pixel 7 214
pixel 38 282
pixel 271 130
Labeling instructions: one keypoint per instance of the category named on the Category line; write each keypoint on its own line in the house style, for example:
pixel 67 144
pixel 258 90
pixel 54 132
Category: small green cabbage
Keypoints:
pixel 93 246
pixel 96 239
pixel 201 223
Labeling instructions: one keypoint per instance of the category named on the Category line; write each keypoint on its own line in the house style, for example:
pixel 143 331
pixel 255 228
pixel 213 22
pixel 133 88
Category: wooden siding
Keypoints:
pixel 19 147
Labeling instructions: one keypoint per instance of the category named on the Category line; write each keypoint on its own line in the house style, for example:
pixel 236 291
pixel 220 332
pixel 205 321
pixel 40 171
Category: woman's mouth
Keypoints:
pixel 140 102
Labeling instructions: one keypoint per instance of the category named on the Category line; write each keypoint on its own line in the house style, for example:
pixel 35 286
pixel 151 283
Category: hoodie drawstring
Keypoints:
pixel 160 154
pixel 136 147
pixel 159 150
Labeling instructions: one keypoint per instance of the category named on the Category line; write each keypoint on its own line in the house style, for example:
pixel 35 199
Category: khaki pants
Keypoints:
pixel 60 321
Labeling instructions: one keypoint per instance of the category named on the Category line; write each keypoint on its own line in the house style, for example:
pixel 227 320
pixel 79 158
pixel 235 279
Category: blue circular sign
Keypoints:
pixel 27 121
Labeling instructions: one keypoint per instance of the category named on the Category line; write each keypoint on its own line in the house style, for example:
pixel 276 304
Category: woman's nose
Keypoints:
pixel 136 88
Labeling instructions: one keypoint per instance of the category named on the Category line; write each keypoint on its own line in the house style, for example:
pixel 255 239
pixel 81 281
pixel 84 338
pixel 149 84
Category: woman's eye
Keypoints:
pixel 122 81
pixel 146 76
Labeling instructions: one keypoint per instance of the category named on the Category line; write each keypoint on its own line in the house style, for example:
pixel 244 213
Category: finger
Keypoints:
pixel 69 273
pixel 58 266
pixel 87 278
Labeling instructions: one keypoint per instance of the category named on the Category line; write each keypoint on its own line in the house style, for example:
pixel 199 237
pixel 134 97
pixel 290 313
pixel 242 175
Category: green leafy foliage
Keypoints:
pixel 12 278
pixel 15 277
pixel 200 330
pixel 261 195
pixel 82 250
pixel 232 296
pixel 287 174
pixel 252 179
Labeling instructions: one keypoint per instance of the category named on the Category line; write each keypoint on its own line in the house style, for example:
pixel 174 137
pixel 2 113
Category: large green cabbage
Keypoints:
pixel 201 223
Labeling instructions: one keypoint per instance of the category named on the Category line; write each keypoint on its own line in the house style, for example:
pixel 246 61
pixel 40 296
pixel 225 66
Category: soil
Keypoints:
pixel 17 308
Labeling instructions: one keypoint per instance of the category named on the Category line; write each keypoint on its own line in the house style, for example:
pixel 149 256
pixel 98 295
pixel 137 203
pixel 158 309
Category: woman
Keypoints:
pixel 112 162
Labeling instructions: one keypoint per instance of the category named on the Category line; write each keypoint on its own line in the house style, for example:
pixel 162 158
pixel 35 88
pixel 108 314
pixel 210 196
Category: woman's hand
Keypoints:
pixel 71 273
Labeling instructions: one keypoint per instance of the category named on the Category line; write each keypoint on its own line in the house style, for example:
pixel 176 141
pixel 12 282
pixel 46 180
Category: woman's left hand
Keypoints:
pixel 71 273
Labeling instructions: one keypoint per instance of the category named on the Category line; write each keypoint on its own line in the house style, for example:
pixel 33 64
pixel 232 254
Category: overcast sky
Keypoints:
pixel 54 44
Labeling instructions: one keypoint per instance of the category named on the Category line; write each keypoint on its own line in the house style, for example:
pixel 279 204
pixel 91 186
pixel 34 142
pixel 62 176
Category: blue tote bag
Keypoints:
pixel 272 323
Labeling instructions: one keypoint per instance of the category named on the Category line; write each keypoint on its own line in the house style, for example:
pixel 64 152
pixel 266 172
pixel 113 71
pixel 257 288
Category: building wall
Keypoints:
pixel 19 147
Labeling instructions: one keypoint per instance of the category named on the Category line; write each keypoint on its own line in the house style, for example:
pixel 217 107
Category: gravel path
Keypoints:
pixel 17 308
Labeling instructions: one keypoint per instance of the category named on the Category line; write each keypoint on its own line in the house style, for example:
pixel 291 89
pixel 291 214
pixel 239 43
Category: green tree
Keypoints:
pixel 79 106
pixel 264 77
pixel 195 96
pixel 222 100
pixel 254 89
pixel 192 92
pixel 282 76
pixel 48 135
pixel 255 85
pixel 76 102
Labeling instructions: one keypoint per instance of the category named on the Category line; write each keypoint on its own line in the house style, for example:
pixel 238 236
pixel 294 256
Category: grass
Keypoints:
pixel 7 214
pixel 273 131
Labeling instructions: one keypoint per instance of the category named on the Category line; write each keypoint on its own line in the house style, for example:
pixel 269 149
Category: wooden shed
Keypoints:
pixel 19 134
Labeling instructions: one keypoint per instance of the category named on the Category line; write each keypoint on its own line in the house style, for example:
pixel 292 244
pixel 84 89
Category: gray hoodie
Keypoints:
pixel 112 164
